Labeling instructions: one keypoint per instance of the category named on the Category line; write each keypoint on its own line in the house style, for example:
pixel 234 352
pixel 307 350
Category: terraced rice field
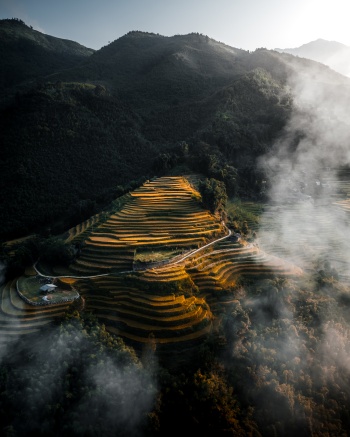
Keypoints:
pixel 220 269
pixel 178 302
pixel 161 213
pixel 339 183
pixel 12 245
pixel 82 230
pixel 134 309
pixel 17 318
pixel 343 205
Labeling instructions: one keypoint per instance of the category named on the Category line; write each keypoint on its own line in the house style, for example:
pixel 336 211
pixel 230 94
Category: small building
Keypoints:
pixel 235 236
pixel 48 287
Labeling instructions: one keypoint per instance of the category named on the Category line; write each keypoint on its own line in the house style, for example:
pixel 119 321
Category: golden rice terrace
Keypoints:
pixel 141 273
pixel 161 215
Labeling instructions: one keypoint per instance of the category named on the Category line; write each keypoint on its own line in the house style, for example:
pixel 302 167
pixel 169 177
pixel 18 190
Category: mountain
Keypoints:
pixel 331 53
pixel 86 127
pixel 191 313
pixel 28 54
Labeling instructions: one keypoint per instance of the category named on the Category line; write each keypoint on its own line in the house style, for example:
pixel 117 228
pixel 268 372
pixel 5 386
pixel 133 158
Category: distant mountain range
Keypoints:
pixel 79 127
pixel 331 53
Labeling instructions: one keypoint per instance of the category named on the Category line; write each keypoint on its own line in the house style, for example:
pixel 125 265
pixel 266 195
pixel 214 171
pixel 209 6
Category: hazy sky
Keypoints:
pixel 245 24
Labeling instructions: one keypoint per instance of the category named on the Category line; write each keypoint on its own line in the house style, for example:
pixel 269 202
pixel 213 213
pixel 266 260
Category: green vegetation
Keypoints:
pixel 84 401
pixel 271 327
pixel 124 113
pixel 55 251
pixel 229 318
pixel 213 193
pixel 61 171
pixel 244 216
pixel 23 253
pixel 32 55
pixel 232 340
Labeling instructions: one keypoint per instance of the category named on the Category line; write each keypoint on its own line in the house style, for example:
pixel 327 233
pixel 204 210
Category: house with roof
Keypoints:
pixel 48 287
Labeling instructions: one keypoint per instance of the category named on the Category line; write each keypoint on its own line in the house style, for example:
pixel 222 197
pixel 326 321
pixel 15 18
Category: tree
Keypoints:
pixel 56 251
pixel 213 194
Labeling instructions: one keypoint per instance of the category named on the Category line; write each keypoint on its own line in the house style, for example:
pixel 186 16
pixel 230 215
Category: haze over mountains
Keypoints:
pixel 331 53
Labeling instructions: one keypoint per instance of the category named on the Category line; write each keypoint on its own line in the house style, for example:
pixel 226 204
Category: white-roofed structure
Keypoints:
pixel 48 287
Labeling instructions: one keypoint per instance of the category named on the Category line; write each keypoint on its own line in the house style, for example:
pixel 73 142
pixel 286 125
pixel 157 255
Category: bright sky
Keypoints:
pixel 246 24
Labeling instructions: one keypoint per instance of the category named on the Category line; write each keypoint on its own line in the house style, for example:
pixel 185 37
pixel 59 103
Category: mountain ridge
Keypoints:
pixel 30 55
pixel 332 53
pixel 87 127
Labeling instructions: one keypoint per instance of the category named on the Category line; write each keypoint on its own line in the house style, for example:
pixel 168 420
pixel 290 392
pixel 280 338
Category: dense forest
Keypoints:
pixel 280 368
pixel 123 114
pixel 266 136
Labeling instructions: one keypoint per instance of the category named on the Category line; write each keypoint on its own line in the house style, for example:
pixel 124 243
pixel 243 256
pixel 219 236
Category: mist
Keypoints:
pixel 303 171
pixel 290 337
pixel 71 384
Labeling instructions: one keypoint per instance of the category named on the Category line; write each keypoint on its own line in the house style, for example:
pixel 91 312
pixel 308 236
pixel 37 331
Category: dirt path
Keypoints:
pixel 191 253
pixel 203 247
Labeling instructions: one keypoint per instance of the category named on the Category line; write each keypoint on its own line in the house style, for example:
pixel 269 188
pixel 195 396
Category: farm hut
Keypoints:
pixel 48 287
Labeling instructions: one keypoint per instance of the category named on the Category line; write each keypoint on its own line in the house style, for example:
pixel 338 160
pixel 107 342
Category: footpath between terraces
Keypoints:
pixel 170 263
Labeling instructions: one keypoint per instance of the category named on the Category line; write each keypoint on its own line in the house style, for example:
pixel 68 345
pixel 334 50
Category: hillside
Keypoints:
pixel 65 147
pixel 157 264
pixel 182 321
pixel 116 118
pixel 100 123
pixel 331 53
pixel 175 218
pixel 29 55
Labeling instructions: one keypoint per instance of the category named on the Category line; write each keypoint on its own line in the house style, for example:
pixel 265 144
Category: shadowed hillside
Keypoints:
pixel 28 55
pixel 100 122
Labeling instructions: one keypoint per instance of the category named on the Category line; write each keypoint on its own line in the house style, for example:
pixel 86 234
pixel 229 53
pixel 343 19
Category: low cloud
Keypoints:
pixel 303 170
pixel 74 386
pixel 292 338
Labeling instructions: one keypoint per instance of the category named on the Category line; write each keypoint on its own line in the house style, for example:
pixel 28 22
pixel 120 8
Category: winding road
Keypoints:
pixel 170 263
